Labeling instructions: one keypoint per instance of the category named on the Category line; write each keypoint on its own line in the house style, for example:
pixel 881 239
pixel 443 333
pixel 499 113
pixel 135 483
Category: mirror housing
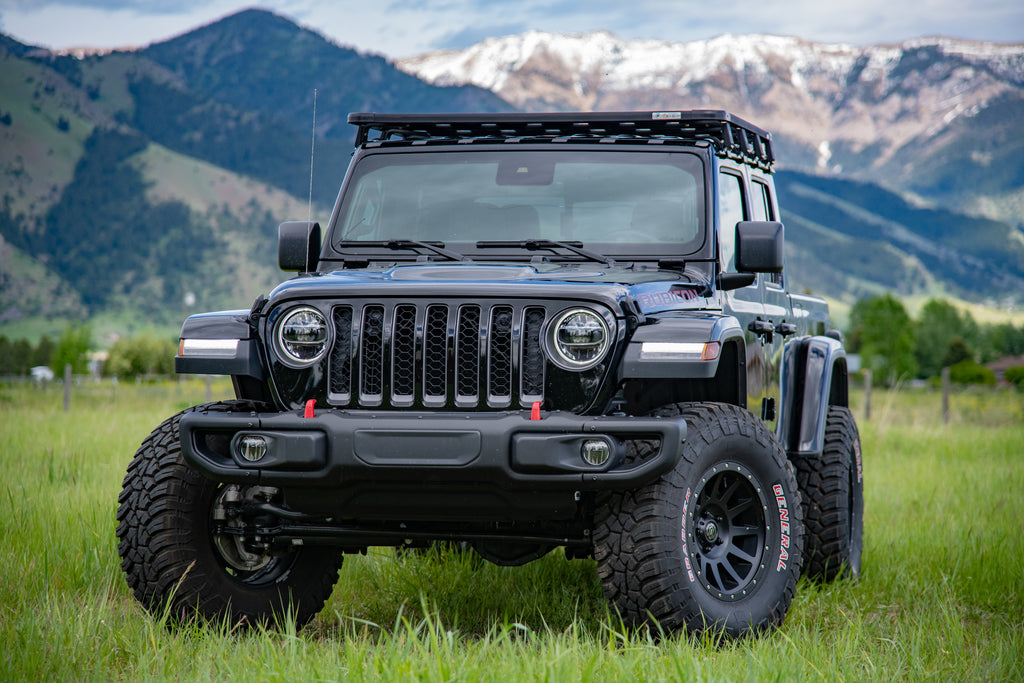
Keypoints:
pixel 729 281
pixel 759 247
pixel 298 246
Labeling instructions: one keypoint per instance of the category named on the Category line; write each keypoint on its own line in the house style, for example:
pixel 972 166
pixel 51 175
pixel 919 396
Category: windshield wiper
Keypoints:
pixel 436 247
pixel 534 244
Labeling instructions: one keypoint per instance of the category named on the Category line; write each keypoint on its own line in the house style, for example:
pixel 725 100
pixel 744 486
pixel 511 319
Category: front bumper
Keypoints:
pixel 342 449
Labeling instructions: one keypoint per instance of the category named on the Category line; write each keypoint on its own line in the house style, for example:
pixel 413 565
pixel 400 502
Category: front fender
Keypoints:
pixel 813 378
pixel 218 343
pixel 673 347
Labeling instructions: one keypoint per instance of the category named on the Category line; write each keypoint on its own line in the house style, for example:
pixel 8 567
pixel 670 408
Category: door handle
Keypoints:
pixel 762 328
pixel 785 329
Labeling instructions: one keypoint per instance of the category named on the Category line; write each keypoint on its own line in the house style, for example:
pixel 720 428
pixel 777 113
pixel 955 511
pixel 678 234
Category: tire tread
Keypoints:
pixel 635 559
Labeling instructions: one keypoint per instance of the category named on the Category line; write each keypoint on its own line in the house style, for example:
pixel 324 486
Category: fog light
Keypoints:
pixel 253 447
pixel 596 451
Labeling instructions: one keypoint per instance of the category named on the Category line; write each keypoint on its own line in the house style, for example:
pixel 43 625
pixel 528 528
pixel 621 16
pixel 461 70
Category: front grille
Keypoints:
pixel 371 380
pixel 499 358
pixel 438 355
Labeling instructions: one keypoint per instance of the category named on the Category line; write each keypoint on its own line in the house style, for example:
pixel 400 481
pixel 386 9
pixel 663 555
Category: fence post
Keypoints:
pixel 945 396
pixel 209 390
pixel 867 394
pixel 67 387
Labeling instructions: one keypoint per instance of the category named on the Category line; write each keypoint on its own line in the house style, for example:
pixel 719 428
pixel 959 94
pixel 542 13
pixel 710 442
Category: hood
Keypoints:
pixel 654 289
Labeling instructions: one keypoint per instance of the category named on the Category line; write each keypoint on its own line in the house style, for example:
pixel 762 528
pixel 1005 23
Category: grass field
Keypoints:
pixel 941 596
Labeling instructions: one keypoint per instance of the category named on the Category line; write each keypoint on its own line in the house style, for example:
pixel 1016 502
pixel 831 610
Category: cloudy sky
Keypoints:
pixel 399 28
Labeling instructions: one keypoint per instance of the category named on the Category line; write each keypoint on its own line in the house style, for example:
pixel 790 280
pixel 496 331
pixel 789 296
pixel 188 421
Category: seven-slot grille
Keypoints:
pixel 437 355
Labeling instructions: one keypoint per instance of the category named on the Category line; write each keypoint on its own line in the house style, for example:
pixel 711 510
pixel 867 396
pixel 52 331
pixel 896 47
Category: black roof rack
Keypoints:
pixel 728 134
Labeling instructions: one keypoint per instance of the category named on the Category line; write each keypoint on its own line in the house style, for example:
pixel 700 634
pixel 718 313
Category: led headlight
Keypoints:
pixel 578 339
pixel 302 336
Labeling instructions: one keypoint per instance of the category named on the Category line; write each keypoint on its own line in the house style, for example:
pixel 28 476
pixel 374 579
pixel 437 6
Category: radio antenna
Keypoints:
pixel 312 153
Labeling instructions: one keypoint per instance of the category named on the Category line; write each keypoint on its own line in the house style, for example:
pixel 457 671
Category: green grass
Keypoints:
pixel 941 596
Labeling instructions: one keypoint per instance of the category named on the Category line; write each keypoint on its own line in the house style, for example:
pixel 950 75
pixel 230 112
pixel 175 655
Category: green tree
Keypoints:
pixel 73 349
pixel 15 356
pixel 956 352
pixel 937 326
pixel 886 335
pixel 43 352
pixel 1004 340
pixel 6 356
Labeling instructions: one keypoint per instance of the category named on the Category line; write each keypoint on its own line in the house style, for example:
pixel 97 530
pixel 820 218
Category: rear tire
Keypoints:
pixel 832 487
pixel 715 544
pixel 173 560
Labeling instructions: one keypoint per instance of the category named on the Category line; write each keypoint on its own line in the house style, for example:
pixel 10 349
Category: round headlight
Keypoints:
pixel 302 336
pixel 578 339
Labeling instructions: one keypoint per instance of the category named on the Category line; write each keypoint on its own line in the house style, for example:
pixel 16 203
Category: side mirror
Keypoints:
pixel 298 246
pixel 759 247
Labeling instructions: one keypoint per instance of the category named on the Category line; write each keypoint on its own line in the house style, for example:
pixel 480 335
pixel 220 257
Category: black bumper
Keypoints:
pixel 338 448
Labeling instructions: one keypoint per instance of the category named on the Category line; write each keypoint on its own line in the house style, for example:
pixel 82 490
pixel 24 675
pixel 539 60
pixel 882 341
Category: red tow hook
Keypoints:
pixel 310 408
pixel 535 411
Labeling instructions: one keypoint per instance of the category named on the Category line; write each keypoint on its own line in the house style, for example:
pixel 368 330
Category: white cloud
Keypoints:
pixel 63 26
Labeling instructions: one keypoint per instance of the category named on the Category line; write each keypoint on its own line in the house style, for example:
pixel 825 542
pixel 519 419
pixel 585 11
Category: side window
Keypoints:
pixel 731 212
pixel 761 204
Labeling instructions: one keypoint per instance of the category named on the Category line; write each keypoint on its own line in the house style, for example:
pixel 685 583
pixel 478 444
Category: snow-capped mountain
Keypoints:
pixel 889 111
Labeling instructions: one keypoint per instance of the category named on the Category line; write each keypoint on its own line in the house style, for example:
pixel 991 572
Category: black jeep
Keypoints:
pixel 520 332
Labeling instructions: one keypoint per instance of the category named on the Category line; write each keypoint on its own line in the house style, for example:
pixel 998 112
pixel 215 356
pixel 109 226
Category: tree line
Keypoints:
pixel 895 346
pixel 143 355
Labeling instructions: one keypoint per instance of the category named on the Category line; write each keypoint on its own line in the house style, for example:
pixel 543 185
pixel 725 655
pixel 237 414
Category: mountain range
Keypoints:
pixel 935 117
pixel 138 180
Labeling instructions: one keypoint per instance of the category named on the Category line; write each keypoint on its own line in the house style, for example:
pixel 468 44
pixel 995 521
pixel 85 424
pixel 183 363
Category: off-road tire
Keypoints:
pixel 169 555
pixel 660 562
pixel 832 488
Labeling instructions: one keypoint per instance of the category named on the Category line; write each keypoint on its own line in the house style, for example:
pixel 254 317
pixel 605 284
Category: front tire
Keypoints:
pixel 714 544
pixel 173 560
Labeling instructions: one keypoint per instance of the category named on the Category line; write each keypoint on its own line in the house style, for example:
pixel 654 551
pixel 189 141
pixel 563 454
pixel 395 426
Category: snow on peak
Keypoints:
pixel 621 64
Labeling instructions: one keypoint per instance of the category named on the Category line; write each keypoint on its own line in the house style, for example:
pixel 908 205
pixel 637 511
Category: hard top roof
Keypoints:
pixel 727 133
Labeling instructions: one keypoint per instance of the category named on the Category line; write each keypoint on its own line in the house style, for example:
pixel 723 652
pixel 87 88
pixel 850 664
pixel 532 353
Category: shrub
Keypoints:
pixel 142 355
pixel 970 372
pixel 1015 376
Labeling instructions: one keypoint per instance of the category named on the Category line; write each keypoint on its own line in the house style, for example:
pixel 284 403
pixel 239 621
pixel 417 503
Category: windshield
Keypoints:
pixel 616 202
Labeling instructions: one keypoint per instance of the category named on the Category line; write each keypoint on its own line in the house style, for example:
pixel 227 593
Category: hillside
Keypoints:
pixel 132 178
pixel 851 239
pixel 261 62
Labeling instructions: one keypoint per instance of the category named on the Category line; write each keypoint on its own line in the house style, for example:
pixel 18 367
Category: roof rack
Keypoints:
pixel 728 134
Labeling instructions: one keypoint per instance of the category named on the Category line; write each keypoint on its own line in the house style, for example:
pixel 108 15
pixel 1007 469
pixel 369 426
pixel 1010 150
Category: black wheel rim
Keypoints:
pixel 726 531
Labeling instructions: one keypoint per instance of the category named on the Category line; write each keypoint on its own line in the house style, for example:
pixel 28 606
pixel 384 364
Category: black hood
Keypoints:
pixel 590 281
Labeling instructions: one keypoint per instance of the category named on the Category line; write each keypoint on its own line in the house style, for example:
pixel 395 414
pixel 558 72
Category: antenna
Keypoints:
pixel 312 152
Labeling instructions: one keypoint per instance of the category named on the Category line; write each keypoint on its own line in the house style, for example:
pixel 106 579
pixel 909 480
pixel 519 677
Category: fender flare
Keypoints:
pixel 814 377
pixel 219 343
pixel 682 332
